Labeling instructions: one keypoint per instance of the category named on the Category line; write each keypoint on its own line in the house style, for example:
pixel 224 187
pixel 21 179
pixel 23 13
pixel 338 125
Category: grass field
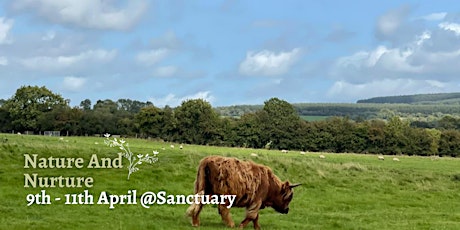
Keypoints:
pixel 342 191
pixel 314 118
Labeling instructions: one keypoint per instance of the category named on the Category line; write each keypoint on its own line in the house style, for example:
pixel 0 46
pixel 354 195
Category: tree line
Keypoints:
pixel 361 111
pixel 276 125
pixel 438 98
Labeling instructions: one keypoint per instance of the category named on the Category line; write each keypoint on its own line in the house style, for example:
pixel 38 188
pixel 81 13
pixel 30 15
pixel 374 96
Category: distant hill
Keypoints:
pixel 413 107
pixel 437 98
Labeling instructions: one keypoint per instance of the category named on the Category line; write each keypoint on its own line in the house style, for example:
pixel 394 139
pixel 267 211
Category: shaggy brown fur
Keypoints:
pixel 254 185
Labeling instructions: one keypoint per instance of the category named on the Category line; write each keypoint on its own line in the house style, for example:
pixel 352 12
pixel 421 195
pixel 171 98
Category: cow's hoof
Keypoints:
pixel 195 223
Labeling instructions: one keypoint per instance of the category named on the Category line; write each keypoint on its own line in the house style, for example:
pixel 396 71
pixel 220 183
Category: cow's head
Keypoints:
pixel 282 200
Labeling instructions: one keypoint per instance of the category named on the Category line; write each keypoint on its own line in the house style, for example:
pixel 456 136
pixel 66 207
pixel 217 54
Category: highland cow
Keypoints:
pixel 255 187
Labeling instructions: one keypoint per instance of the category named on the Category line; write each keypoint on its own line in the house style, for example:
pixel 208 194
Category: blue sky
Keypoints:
pixel 229 52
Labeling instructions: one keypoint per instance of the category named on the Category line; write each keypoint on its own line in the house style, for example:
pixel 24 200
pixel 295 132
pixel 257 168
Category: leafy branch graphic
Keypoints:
pixel 134 161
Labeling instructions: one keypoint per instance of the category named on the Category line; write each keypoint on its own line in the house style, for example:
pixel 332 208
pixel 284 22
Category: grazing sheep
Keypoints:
pixel 322 156
pixel 395 159
pixel 254 155
pixel 181 147
pixel 434 158
pixel 172 146
pixel 302 152
pixel 381 158
pixel 284 151
pixel 163 148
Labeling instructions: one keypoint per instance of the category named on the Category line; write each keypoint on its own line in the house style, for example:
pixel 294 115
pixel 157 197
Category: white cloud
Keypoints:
pixel 364 65
pixel 3 61
pixel 5 27
pixel 60 62
pixel 86 13
pixel 268 63
pixel 151 57
pixel 348 91
pixel 435 16
pixel 73 84
pixel 50 35
pixel 172 100
pixel 167 40
pixel 396 27
pixel 426 35
pixel 391 21
pixel 454 27
pixel 418 59
pixel 165 71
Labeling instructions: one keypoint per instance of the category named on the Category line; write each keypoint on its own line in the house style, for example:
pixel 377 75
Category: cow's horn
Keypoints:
pixel 294 185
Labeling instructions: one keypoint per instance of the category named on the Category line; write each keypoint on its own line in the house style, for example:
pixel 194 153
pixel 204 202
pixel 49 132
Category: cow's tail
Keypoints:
pixel 200 187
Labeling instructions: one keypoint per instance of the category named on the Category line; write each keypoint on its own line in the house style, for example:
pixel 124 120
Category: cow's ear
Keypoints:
pixel 285 186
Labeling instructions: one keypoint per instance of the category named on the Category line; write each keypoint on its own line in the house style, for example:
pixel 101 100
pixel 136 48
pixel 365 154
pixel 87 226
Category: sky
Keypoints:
pixel 230 52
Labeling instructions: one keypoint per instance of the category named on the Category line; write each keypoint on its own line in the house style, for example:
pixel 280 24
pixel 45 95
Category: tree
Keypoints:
pixel 132 106
pixel 85 104
pixel 29 103
pixel 376 136
pixel 2 101
pixel 150 120
pixel 5 120
pixel 247 131
pixel 449 143
pixel 346 137
pixel 449 122
pixel 395 138
pixel 169 129
pixel 106 106
pixel 435 136
pixel 418 142
pixel 278 121
pixel 197 122
pixel 64 119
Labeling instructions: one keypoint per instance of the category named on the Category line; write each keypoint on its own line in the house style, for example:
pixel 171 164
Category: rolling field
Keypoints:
pixel 342 191
pixel 314 118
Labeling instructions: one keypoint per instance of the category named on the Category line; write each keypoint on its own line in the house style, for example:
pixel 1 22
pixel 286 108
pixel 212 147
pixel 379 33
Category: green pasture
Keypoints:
pixel 341 191
pixel 314 118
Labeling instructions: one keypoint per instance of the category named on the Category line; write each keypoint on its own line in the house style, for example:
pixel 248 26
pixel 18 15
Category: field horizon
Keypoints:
pixel 340 191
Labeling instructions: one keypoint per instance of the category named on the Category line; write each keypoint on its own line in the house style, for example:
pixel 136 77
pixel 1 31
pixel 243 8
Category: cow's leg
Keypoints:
pixel 252 214
pixel 195 209
pixel 226 216
pixel 256 222
pixel 195 215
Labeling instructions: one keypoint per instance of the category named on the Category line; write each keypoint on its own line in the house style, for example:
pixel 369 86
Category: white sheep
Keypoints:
pixel 302 152
pixel 381 158
pixel 284 151
pixel 181 147
pixel 395 159
pixel 322 156
pixel 254 155
pixel 172 146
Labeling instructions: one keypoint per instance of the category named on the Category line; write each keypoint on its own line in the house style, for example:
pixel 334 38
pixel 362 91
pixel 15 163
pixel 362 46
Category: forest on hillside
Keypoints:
pixel 361 111
pixel 276 125
pixel 420 108
pixel 436 98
